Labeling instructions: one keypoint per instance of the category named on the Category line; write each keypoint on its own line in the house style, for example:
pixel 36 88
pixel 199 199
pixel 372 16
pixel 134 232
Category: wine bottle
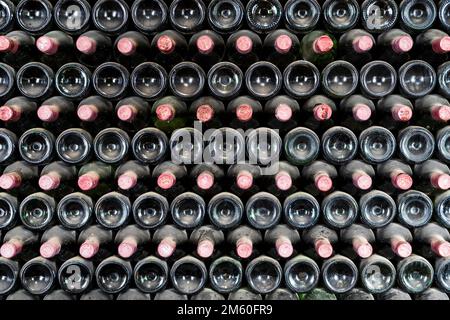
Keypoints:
pixel 318 47
pixel 130 239
pixel 322 239
pixel 225 210
pixel 132 175
pixel 432 294
pixel 84 270
pixel 72 21
pixel 395 294
pixel 355 46
pixel 206 48
pixel 281 47
pixel 151 274
pixel 441 267
pixel 339 79
pixel 38 275
pixel 244 48
pixel 225 80
pixel 244 239
pixel 263 210
pixel 301 210
pixel 170 294
pixel 410 85
pixel 37 211
pixel 92 174
pixel 149 17
pixel 34 16
pixel 94 48
pixel 394 46
pixel 55 113
pixel 377 79
pixel 436 237
pixel 247 111
pixel 19 241
pixel 132 294
pixel 9 206
pixel 319 111
pixel 168 48
pixel 207 294
pixel 357 112
pixel 416 144
pixel 281 112
pixel 92 240
pixel 149 145
pixel 207 178
pixel 244 176
pixel 131 49
pixel 284 238
pixel 133 112
pixel 225 275
pixel 150 210
pixel 434 110
pixel 169 112
pixel 188 267
pixel 149 80
pixel 339 274
pixel 95 109
pixel 208 111
pixel 301 146
pixel 57 175
pixel 441 203
pixel 281 177
pixel 319 176
pixel 302 16
pixel 187 17
pixel 36 146
pixel 167 238
pixel 113 275
pixel 339 209
pixel 397 237
pixel 57 241
pixel 111 145
pixel 75 210
pixel 56 48
pixel 415 274
pixel 433 46
pixel 377 209
pixel 188 210
pixel 168 174
pixel 110 80
pixel 74 146
pixel 111 16
pixel 205 238
pixel 379 16
pixel 341 15
pixel 267 88
pixel 10 273
pixel 18 174
pixel 18 113
pixel 7 12
pixel 360 238
pixel 433 175
pixel 112 210
pixel 395 175
pixel 263 267
pixel 263 16
pixel 359 173
pixel 301 264
pixel 225 16
pixel 377 274
pixel 339 145
pixel 416 17
pixel 244 294
pixel 16 48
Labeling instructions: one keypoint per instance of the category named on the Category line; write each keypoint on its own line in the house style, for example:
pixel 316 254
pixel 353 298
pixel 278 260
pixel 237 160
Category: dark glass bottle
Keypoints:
pixel 94 48
pixel 394 46
pixel 225 16
pixel 131 49
pixel 263 15
pixel 206 48
pixel 149 17
pixel 187 16
pixel 16 48
pixel 244 48
pixel 110 16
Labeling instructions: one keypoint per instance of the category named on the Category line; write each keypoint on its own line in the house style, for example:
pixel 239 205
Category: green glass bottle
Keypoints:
pixel 319 48
pixel 317 294
pixel 169 113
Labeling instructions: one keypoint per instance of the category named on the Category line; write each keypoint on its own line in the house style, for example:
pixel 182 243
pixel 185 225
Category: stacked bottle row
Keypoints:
pixel 115 16
pixel 338 78
pixel 134 266
pixel 355 193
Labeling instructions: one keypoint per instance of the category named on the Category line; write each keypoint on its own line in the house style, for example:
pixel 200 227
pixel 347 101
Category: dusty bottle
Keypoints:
pixel 322 239
pixel 397 237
